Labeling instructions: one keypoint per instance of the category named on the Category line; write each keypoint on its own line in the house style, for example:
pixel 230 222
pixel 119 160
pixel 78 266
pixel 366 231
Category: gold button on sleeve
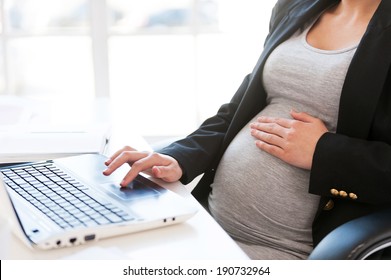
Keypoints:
pixel 329 205
pixel 353 196
pixel 334 192
pixel 343 194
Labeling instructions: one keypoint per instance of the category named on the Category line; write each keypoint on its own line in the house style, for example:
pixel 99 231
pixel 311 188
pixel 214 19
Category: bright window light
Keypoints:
pixel 165 66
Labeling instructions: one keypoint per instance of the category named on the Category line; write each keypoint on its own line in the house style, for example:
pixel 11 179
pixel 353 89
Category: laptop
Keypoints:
pixel 68 202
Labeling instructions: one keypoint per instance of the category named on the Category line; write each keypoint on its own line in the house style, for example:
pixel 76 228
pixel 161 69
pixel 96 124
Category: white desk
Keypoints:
pixel 198 238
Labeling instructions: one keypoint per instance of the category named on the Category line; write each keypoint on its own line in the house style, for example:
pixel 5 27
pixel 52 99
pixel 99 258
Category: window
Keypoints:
pixel 47 48
pixel 165 65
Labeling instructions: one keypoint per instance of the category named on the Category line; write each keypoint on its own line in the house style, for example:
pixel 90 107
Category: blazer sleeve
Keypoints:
pixel 197 151
pixel 357 167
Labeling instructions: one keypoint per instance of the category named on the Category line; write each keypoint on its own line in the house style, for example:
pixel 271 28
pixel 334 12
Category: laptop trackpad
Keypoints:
pixel 135 190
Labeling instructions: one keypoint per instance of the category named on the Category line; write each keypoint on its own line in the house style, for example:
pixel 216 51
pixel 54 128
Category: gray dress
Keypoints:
pixel 261 201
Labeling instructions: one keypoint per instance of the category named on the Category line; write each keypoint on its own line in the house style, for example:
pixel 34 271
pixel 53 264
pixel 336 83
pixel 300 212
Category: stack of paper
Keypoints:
pixel 41 143
pixel 28 133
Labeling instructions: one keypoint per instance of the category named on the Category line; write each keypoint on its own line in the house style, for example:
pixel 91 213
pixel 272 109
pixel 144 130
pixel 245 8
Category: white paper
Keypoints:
pixel 48 142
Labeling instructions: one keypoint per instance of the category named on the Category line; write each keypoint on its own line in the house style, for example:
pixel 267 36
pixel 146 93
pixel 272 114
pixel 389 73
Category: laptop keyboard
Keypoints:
pixel 60 197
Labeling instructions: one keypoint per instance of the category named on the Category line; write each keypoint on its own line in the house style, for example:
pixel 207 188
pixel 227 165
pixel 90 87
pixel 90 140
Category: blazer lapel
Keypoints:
pixel 255 96
pixel 366 76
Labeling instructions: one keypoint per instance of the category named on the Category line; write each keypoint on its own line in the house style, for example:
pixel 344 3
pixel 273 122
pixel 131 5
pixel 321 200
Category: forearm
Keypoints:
pixel 198 151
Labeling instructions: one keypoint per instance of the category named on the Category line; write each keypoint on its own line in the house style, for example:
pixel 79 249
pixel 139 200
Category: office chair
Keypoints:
pixel 367 237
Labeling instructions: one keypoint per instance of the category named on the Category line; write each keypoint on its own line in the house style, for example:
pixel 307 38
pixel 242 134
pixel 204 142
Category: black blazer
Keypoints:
pixel 351 168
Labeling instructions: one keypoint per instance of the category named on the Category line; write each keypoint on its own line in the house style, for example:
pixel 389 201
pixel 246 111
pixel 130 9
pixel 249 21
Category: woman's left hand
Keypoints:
pixel 291 140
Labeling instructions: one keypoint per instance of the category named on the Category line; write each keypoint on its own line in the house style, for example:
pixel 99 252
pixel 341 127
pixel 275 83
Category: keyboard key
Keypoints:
pixel 61 197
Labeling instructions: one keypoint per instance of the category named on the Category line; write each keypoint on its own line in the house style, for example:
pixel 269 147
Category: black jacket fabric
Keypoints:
pixel 355 160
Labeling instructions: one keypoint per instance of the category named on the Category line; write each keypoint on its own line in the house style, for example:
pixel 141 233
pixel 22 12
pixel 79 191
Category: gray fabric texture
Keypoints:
pixel 261 201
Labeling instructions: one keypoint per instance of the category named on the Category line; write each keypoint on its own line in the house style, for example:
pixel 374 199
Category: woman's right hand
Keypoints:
pixel 158 165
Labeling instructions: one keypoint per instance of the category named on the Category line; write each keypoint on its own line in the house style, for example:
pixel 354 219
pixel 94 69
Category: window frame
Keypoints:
pixel 99 34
